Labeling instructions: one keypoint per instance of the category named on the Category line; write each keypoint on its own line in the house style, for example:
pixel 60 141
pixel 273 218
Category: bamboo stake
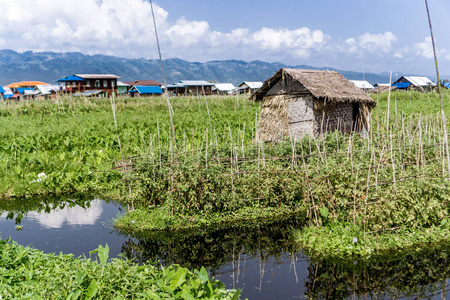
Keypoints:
pixel 444 121
pixel 389 104
pixel 169 106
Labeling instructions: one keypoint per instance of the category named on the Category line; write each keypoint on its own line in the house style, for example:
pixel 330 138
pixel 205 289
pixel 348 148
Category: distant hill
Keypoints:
pixel 51 66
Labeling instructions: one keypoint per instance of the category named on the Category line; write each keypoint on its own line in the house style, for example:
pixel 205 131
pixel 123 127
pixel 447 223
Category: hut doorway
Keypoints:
pixel 355 116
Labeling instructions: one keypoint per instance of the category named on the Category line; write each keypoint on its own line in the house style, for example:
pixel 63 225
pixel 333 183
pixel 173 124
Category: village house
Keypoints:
pixel 145 91
pixel 362 84
pixel 22 90
pixel 190 87
pixel 223 88
pixel 90 84
pixel 175 89
pixel 41 92
pixel 296 103
pixel 8 93
pixel 122 88
pixel 382 88
pixel 420 83
pixel 248 87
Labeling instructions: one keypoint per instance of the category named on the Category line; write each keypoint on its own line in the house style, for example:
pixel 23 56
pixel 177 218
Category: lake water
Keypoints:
pixel 256 258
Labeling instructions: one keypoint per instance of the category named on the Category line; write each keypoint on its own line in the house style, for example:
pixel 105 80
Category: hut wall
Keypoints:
pixel 283 116
pixel 301 117
pixel 333 117
pixel 273 121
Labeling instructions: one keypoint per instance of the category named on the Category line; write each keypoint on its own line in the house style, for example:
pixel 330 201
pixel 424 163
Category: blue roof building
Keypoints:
pixel 141 91
pixel 446 84
pixel 71 79
pixel 402 85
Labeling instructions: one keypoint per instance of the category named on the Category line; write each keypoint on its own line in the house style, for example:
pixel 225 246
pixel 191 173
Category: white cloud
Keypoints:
pixel 83 25
pixel 380 44
pixel 299 41
pixel 125 28
pixel 425 48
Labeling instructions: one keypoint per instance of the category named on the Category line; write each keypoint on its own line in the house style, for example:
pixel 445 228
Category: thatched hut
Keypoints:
pixel 300 102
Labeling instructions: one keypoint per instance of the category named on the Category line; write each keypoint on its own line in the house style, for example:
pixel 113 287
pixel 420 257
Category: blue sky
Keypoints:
pixel 379 35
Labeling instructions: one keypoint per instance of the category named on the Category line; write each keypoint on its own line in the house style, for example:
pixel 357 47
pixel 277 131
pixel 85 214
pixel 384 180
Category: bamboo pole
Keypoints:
pixel 444 122
pixel 164 77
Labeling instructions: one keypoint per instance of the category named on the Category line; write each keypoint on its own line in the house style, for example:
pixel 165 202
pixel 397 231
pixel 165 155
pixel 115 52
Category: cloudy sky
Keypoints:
pixel 374 35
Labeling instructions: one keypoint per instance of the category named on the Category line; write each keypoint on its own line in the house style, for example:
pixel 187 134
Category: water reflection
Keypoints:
pixel 262 260
pixel 422 273
pixel 214 247
pixel 70 215
pixel 259 258
pixel 46 208
pixel 76 224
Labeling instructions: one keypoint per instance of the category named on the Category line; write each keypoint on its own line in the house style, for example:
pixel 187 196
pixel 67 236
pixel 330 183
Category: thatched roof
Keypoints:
pixel 327 85
pixel 382 89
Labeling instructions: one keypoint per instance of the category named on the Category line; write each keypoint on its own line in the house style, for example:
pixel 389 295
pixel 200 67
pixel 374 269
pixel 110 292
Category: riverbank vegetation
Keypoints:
pixel 389 184
pixel 30 274
pixel 387 181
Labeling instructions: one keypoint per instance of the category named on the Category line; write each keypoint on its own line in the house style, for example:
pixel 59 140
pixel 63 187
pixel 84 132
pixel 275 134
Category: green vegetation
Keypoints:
pixel 389 186
pixel 72 145
pixel 348 242
pixel 29 274
pixel 388 183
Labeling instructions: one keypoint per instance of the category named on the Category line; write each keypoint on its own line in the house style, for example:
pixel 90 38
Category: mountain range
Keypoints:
pixel 51 66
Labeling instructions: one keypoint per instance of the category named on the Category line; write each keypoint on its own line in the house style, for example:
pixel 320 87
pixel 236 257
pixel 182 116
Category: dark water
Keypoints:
pixel 258 258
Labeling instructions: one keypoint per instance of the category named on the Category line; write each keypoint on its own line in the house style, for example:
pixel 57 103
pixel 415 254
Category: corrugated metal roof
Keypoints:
pixel 2 90
pixel 147 82
pixel 26 84
pixel 120 83
pixel 8 91
pixel 195 83
pixel 419 81
pixel 22 90
pixel 89 93
pixel 402 85
pixel 224 87
pixel 46 89
pixel 362 84
pixel 252 84
pixel 146 89
pixel 97 76
pixel 70 79
pixel 446 84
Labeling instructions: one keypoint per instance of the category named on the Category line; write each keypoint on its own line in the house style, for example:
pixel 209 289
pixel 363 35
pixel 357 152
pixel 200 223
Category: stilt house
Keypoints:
pixel 298 102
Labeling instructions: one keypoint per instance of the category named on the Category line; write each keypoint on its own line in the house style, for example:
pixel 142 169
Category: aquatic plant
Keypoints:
pixel 29 273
